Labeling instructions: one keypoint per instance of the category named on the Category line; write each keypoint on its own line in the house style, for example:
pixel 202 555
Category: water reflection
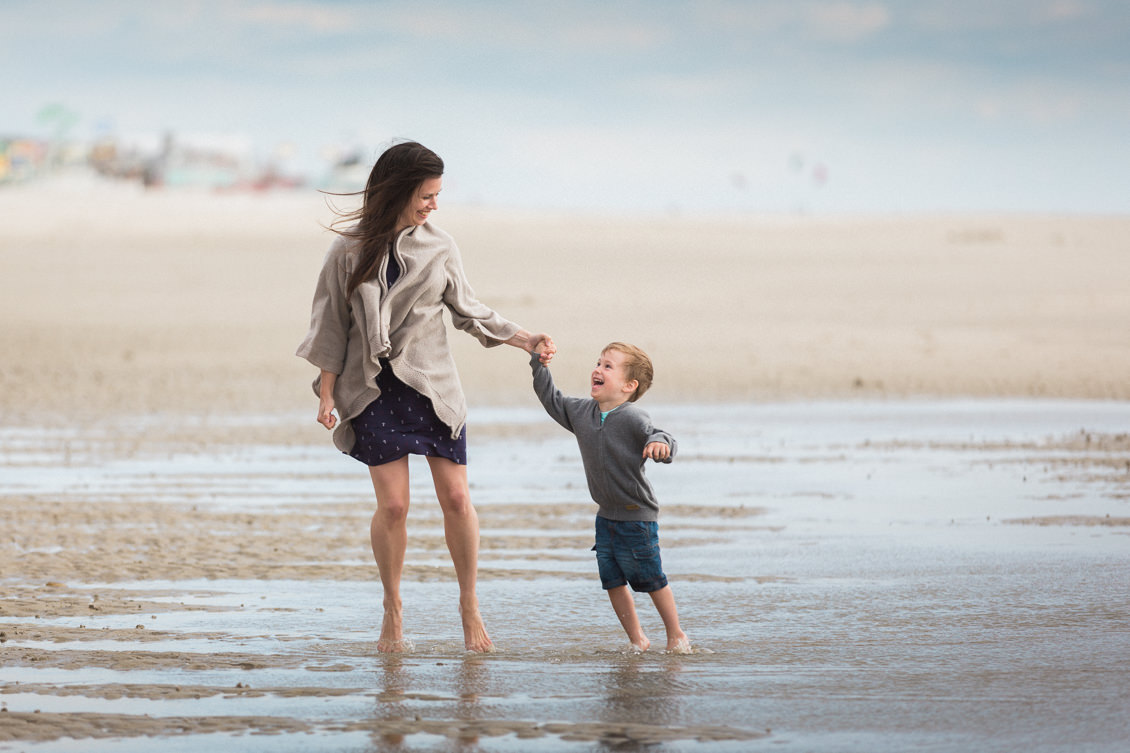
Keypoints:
pixel 391 703
pixel 644 697
pixel 471 680
pixel 417 696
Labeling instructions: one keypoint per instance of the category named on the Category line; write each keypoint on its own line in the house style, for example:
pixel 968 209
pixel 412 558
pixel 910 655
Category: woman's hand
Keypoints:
pixel 326 415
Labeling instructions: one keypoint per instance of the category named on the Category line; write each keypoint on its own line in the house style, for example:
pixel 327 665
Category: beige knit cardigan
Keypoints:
pixel 403 324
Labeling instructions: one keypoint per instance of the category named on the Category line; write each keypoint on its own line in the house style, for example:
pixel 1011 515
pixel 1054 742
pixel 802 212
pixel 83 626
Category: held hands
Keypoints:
pixel 657 451
pixel 543 345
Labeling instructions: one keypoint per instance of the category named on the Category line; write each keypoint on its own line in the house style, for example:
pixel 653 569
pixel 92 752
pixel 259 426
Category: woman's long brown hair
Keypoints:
pixel 393 182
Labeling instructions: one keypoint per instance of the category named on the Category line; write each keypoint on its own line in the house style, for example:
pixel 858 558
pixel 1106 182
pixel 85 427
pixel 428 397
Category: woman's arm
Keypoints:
pixel 326 415
pixel 325 343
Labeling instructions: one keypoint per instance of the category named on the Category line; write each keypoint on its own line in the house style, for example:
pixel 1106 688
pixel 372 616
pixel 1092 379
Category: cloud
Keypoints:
pixel 1064 9
pixel 317 17
pixel 843 21
pixel 540 29
pixel 1010 15
pixel 774 20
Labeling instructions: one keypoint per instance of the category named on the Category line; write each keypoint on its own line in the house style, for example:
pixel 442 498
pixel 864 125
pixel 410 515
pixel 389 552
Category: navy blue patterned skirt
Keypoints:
pixel 402 422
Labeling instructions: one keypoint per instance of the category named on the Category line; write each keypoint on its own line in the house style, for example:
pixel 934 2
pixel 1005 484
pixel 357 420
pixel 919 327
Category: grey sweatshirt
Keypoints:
pixel 612 452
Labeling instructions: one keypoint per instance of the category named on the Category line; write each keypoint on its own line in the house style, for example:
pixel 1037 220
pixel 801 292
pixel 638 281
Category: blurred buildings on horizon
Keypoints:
pixel 172 161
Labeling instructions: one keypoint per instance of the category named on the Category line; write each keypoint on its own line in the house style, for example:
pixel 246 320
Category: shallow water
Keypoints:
pixel 851 575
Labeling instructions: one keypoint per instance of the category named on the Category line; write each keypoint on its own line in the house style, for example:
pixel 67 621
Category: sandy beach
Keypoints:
pixel 906 458
pixel 114 300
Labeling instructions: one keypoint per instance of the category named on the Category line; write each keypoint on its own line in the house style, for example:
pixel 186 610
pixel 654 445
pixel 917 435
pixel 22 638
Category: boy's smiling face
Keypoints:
pixel 610 383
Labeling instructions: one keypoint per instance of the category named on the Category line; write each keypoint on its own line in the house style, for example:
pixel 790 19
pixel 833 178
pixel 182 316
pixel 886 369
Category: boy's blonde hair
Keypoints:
pixel 637 364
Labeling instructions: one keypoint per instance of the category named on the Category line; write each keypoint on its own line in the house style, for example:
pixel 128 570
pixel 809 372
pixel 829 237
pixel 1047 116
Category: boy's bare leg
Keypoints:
pixel 625 606
pixel 461 530
pixel 664 601
pixel 388 534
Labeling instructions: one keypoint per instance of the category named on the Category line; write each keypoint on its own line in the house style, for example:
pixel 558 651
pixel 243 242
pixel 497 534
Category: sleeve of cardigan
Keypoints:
pixel 325 343
pixel 467 312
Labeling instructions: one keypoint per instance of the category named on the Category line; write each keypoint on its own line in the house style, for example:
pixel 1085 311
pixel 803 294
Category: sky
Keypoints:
pixel 705 106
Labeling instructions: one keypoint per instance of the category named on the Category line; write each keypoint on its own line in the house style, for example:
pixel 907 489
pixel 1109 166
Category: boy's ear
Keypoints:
pixel 631 386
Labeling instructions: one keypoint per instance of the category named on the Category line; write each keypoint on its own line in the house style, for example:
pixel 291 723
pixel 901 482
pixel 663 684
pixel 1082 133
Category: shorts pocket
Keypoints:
pixel 645 550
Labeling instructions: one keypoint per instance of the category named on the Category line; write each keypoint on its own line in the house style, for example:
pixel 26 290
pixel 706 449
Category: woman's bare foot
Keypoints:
pixel 392 631
pixel 475 636
pixel 402 646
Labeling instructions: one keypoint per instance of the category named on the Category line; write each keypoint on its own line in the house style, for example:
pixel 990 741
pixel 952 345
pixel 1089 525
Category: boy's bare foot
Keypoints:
pixel 475 636
pixel 679 644
pixel 643 644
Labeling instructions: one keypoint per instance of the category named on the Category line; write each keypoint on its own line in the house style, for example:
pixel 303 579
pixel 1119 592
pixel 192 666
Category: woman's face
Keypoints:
pixel 421 204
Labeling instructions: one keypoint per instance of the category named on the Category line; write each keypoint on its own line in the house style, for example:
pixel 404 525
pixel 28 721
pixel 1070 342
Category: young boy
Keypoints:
pixel 616 438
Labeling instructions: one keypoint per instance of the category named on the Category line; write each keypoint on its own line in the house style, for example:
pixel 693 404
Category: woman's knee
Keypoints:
pixel 391 510
pixel 390 483
pixel 455 500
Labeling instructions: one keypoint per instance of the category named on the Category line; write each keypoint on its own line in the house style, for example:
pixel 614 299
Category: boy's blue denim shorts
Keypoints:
pixel 627 553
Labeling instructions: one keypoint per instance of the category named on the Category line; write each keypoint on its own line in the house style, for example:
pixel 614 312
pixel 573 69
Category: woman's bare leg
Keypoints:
pixel 388 533
pixel 461 530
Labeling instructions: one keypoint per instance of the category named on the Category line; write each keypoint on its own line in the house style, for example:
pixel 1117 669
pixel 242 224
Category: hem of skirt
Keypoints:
pixel 404 454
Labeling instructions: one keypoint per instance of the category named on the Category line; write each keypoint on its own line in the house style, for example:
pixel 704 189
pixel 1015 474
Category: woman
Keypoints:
pixel 378 336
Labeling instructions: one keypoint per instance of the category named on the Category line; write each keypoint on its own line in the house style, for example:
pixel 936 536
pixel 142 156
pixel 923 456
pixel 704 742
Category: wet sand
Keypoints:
pixel 963 561
pixel 899 519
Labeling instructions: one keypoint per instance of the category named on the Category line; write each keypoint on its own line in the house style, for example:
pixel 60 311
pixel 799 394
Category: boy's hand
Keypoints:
pixel 657 451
